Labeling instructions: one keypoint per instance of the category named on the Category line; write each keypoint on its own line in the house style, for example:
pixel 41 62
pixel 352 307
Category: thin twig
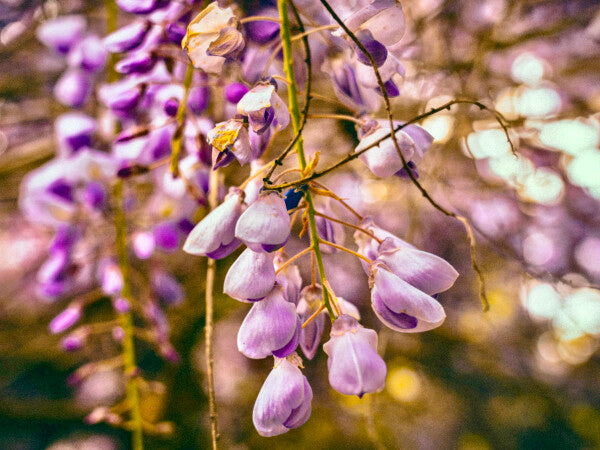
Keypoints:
pixel 294 258
pixel 209 326
pixel 347 224
pixel 436 205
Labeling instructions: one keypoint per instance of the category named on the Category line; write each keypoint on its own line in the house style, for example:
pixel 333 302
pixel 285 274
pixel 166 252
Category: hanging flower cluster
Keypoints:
pixel 153 129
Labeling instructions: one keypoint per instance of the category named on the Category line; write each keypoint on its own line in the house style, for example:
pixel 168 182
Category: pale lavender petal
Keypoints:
pixel 283 401
pixel 266 221
pixel 269 326
pixel 216 231
pixel 251 276
pixel 354 366
pixel 424 271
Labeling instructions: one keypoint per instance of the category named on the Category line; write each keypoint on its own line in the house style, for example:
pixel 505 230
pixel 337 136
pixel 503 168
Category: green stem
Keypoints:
pixel 126 320
pixel 178 136
pixel 288 63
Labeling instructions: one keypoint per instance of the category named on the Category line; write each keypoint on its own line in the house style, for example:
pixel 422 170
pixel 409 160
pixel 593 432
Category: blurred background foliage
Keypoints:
pixel 513 377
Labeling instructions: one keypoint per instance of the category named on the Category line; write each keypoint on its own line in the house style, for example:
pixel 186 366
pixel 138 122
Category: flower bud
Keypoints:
pixel 271 327
pixel 73 131
pixel 310 336
pixel 284 401
pixel 111 278
pixel 234 92
pixel 214 236
pixel 263 31
pixel 126 38
pixel 289 278
pixel 138 62
pixel 401 306
pixel 72 88
pixel 167 288
pixel 65 319
pixel 375 48
pixel 61 33
pixel 354 366
pixel 138 6
pixel 166 236
pixel 265 225
pixel 251 277
pixel 88 54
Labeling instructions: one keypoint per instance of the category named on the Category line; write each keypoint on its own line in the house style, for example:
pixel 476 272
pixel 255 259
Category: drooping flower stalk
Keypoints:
pixel 126 316
pixel 180 116
pixel 288 64
pixel 126 321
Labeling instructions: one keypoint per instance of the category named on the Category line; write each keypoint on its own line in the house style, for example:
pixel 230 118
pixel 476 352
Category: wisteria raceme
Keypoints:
pixel 200 128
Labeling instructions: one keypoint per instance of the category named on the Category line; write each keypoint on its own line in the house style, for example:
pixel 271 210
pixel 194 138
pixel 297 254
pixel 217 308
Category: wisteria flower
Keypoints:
pixel 284 401
pixel 289 278
pixel 229 140
pixel 354 366
pixel 401 306
pixel 214 236
pixel 308 304
pixel 251 277
pixel 202 32
pixel 424 271
pixel 271 327
pixel 383 159
pixel 265 225
pixel 263 106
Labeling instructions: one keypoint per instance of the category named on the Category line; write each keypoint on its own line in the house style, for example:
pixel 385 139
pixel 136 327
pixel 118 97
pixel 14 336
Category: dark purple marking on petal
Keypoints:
pixel 291 346
pixel 400 320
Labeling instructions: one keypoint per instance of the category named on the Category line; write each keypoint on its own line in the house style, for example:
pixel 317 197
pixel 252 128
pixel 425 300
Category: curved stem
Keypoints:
pixel 259 19
pixel 425 194
pixel 355 227
pixel 294 258
pixel 177 141
pixel 297 124
pixel 347 250
pixel 337 117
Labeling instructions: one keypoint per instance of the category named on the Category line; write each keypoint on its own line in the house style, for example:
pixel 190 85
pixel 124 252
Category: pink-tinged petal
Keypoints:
pixel 269 326
pixel 388 25
pixel 354 366
pixel 265 222
pixel 403 300
pixel 283 401
pixel 383 159
pixel 217 229
pixel 424 271
pixel 251 277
